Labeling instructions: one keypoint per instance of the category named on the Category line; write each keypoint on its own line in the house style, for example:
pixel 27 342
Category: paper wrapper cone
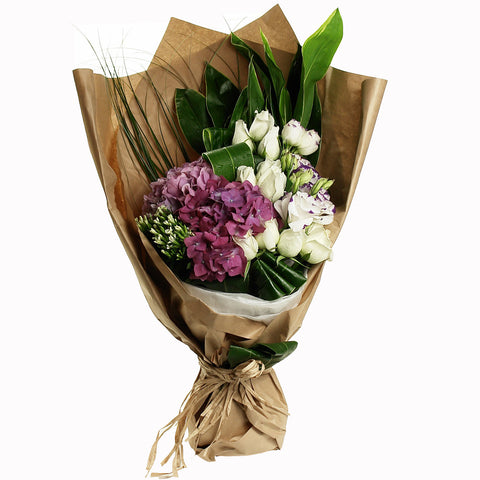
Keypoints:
pixel 350 105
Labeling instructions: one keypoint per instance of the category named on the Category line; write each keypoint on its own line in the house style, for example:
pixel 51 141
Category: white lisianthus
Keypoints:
pixel 290 243
pixel 268 239
pixel 241 134
pixel 269 146
pixel 292 132
pixel 317 245
pixel 271 180
pixel 309 143
pixel 261 124
pixel 303 142
pixel 248 244
pixel 303 209
pixel 281 206
pixel 246 173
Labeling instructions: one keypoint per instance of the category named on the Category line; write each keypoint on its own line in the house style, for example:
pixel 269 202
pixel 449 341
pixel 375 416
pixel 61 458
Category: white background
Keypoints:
pixel 385 382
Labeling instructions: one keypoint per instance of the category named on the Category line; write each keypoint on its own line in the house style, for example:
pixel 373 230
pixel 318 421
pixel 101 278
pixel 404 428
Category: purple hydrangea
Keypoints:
pixel 214 257
pixel 215 210
pixel 173 189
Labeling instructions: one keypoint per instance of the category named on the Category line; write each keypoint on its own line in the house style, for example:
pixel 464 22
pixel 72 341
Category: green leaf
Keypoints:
pixel 269 354
pixel 285 106
pixel 255 98
pixel 237 355
pixel 192 116
pixel 240 110
pixel 317 52
pixel 315 123
pixel 226 160
pixel 277 278
pixel 221 96
pixel 261 283
pixel 214 138
pixel 249 53
pixel 276 351
pixel 292 272
pixel 263 72
pixel 276 74
pixel 295 75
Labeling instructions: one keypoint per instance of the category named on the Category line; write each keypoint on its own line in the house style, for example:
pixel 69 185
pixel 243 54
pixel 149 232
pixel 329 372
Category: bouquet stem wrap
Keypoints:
pixel 243 411
pixel 207 413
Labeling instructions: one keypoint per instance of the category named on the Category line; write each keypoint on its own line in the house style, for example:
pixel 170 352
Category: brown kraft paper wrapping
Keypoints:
pixel 350 105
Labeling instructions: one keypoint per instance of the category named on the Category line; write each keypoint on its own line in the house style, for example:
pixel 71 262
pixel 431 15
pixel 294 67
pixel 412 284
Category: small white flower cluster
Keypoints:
pixel 304 214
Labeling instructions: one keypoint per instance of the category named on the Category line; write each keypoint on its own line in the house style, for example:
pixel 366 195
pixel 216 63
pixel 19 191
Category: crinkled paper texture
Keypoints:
pixel 350 104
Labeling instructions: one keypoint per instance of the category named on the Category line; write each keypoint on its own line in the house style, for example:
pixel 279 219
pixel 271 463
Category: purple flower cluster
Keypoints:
pixel 215 210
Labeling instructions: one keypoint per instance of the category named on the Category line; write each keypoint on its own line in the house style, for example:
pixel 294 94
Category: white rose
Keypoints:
pixel 248 244
pixel 269 146
pixel 268 239
pixel 261 124
pixel 309 143
pixel 241 134
pixel 271 180
pixel 317 245
pixel 290 243
pixel 246 173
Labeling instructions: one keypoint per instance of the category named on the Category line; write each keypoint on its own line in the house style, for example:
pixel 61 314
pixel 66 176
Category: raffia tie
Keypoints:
pixel 220 385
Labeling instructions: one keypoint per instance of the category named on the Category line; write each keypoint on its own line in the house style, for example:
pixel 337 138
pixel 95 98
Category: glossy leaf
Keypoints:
pixel 285 106
pixel 276 74
pixel 264 286
pixel 226 160
pixel 255 99
pixel 292 272
pixel 295 75
pixel 240 112
pixel 315 123
pixel 277 278
pixel 221 95
pixel 317 52
pixel 214 138
pixel 268 353
pixel 192 116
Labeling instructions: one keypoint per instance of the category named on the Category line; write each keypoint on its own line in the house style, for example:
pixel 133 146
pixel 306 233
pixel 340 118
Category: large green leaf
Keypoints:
pixel 256 102
pixel 240 112
pixel 317 52
pixel 315 123
pixel 293 272
pixel 192 116
pixel 295 75
pixel 221 95
pixel 226 160
pixel 263 72
pixel 285 106
pixel 263 286
pixel 278 81
pixel 214 138
pixel 268 353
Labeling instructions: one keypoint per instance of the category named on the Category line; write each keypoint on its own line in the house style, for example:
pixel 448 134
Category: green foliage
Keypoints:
pixel 221 96
pixel 267 353
pixel 226 160
pixel 273 277
pixel 192 116
pixel 317 54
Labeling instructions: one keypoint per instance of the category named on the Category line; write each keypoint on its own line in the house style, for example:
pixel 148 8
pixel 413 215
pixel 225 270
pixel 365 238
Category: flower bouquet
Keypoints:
pixel 227 206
